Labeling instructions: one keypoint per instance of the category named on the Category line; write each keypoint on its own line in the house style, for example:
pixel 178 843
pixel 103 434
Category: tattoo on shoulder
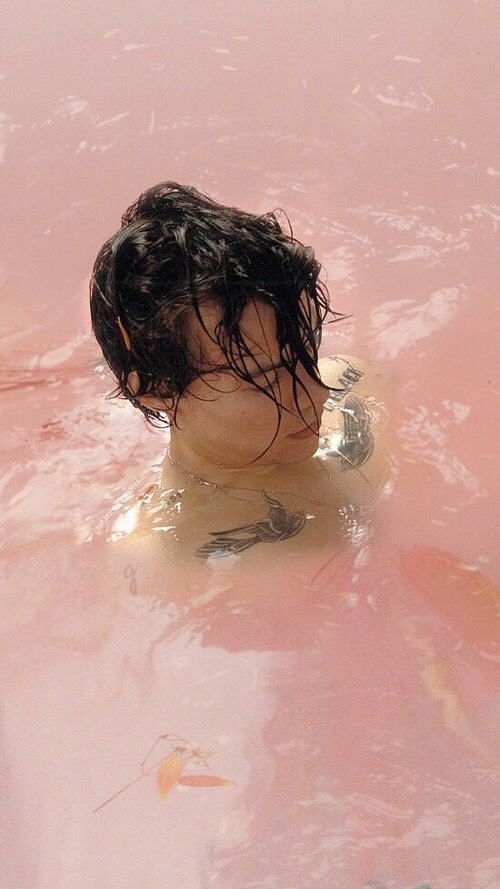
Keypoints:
pixel 279 525
pixel 355 445
pixel 348 377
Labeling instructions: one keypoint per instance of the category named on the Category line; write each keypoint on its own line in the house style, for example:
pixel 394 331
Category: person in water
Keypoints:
pixel 210 319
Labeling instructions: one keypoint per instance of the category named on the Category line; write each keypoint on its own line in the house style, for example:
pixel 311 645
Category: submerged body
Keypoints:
pixel 326 497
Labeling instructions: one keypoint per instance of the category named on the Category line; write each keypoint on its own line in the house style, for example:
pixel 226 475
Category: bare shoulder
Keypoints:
pixel 355 429
pixel 361 379
pixel 345 371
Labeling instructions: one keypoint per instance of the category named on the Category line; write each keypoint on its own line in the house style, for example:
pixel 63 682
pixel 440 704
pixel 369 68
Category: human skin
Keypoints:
pixel 225 424
pixel 309 489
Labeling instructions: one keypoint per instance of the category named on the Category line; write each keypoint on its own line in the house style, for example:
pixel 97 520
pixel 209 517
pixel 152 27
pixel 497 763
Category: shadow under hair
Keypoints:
pixel 178 248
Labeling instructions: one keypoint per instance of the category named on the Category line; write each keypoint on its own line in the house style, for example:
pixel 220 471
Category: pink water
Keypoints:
pixel 352 701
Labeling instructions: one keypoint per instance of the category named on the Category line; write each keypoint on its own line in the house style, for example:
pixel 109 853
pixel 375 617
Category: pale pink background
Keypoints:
pixel 354 700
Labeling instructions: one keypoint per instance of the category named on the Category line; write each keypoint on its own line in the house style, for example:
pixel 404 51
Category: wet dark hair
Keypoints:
pixel 177 248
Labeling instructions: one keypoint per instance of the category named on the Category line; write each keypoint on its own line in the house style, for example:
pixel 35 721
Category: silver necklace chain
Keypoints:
pixel 241 488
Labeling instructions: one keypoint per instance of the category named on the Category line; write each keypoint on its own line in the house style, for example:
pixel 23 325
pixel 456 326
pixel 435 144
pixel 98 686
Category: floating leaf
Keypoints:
pixel 204 781
pixel 168 774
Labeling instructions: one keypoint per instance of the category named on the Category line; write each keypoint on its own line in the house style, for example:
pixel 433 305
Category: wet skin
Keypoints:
pixel 194 521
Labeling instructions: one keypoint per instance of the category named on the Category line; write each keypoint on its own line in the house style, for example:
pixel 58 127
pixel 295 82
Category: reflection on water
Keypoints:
pixel 329 720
